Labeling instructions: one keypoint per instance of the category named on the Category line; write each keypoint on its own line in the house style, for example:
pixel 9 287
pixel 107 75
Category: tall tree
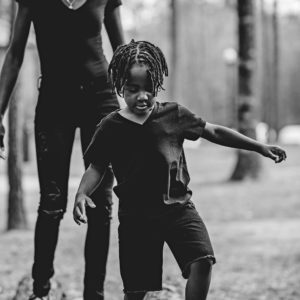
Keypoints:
pixel 16 212
pixel 248 163
pixel 270 80
pixel 275 104
pixel 266 78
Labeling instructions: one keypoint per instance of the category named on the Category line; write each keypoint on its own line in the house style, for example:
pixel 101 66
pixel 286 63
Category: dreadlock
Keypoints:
pixel 140 52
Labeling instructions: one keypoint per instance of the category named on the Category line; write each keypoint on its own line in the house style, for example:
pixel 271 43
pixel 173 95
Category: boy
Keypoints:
pixel 144 144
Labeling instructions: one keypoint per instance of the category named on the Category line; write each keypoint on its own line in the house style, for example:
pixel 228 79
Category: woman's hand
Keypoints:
pixel 274 152
pixel 79 211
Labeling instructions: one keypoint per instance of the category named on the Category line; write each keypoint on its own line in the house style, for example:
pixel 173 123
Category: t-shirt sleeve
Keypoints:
pixel 191 125
pixel 111 5
pixel 97 152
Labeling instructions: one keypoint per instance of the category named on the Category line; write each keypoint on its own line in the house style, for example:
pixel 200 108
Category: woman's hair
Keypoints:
pixel 140 52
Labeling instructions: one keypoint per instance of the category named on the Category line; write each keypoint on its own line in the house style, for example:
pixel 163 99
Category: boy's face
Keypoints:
pixel 138 90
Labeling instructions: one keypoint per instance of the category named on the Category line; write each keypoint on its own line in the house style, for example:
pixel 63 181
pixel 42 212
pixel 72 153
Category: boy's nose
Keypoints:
pixel 142 96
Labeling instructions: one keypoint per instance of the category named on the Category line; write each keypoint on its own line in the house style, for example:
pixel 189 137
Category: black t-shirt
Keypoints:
pixel 148 160
pixel 69 41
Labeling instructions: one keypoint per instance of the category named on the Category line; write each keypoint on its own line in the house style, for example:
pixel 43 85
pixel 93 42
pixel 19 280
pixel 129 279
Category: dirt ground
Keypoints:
pixel 254 228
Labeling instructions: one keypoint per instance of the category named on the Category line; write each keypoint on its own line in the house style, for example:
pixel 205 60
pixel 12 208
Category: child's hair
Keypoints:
pixel 140 52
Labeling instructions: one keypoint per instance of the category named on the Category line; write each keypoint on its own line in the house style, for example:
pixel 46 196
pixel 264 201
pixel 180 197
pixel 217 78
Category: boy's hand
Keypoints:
pixel 79 211
pixel 274 152
pixel 2 131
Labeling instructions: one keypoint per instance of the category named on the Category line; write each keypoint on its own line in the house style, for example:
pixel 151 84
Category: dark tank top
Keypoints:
pixel 69 41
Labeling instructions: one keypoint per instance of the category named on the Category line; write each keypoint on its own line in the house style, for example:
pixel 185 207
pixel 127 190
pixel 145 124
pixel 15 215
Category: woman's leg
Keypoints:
pixel 199 280
pixel 98 102
pixel 97 240
pixel 53 148
pixel 135 296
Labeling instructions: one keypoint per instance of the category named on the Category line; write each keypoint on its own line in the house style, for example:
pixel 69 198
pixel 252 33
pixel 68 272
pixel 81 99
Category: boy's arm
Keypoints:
pixel 230 138
pixel 114 28
pixel 12 63
pixel 89 182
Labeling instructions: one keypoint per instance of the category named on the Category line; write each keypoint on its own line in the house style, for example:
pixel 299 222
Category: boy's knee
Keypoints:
pixel 201 267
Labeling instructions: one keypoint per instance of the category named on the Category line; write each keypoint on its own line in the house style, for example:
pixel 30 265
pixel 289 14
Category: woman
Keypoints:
pixel 73 93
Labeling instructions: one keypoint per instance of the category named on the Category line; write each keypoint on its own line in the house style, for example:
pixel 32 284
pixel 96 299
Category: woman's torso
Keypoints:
pixel 69 41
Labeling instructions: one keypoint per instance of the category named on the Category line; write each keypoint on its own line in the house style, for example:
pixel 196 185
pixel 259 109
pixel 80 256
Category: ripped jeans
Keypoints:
pixel 55 127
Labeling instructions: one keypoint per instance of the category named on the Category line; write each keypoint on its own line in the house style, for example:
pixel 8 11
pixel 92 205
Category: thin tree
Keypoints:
pixel 248 163
pixel 16 212
pixel 267 82
pixel 270 78
pixel 275 104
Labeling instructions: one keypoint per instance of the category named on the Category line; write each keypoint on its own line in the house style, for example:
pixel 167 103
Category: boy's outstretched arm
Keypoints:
pixel 230 138
pixel 89 182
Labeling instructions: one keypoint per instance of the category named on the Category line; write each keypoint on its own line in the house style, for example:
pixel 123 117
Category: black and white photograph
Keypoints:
pixel 149 150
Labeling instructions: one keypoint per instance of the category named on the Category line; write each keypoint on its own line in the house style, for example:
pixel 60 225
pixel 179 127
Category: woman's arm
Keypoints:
pixel 12 63
pixel 114 27
pixel 89 182
pixel 230 138
pixel 14 56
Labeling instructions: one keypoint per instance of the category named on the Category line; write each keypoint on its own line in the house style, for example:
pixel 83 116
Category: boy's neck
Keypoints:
pixel 140 119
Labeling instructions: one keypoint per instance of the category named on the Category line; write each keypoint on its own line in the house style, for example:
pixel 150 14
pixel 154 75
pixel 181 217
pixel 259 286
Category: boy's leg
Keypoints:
pixel 53 148
pixel 199 280
pixel 189 241
pixel 141 253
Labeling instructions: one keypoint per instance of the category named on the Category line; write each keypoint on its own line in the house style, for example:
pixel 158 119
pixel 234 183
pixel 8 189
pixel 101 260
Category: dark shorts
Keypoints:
pixel 141 243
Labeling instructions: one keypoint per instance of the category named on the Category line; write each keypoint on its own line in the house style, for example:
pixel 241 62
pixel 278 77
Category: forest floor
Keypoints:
pixel 253 225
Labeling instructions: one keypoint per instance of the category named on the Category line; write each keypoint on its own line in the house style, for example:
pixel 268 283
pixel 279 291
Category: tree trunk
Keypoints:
pixel 248 163
pixel 174 47
pixel 275 103
pixel 267 82
pixel 16 212
pixel 270 70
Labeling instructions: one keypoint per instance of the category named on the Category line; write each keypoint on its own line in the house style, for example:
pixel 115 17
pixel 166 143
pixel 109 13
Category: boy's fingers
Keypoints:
pixel 82 209
pixel 273 156
pixel 2 153
pixel 89 202
pixel 278 154
pixel 2 149
pixel 284 155
pixel 76 221
pixel 79 215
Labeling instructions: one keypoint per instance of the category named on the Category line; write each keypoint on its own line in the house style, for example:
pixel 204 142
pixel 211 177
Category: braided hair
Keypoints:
pixel 140 52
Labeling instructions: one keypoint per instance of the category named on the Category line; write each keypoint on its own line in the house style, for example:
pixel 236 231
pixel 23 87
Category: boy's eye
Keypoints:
pixel 149 90
pixel 131 89
pixel 135 89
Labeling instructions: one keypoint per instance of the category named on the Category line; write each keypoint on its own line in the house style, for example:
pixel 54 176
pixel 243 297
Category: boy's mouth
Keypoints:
pixel 142 106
